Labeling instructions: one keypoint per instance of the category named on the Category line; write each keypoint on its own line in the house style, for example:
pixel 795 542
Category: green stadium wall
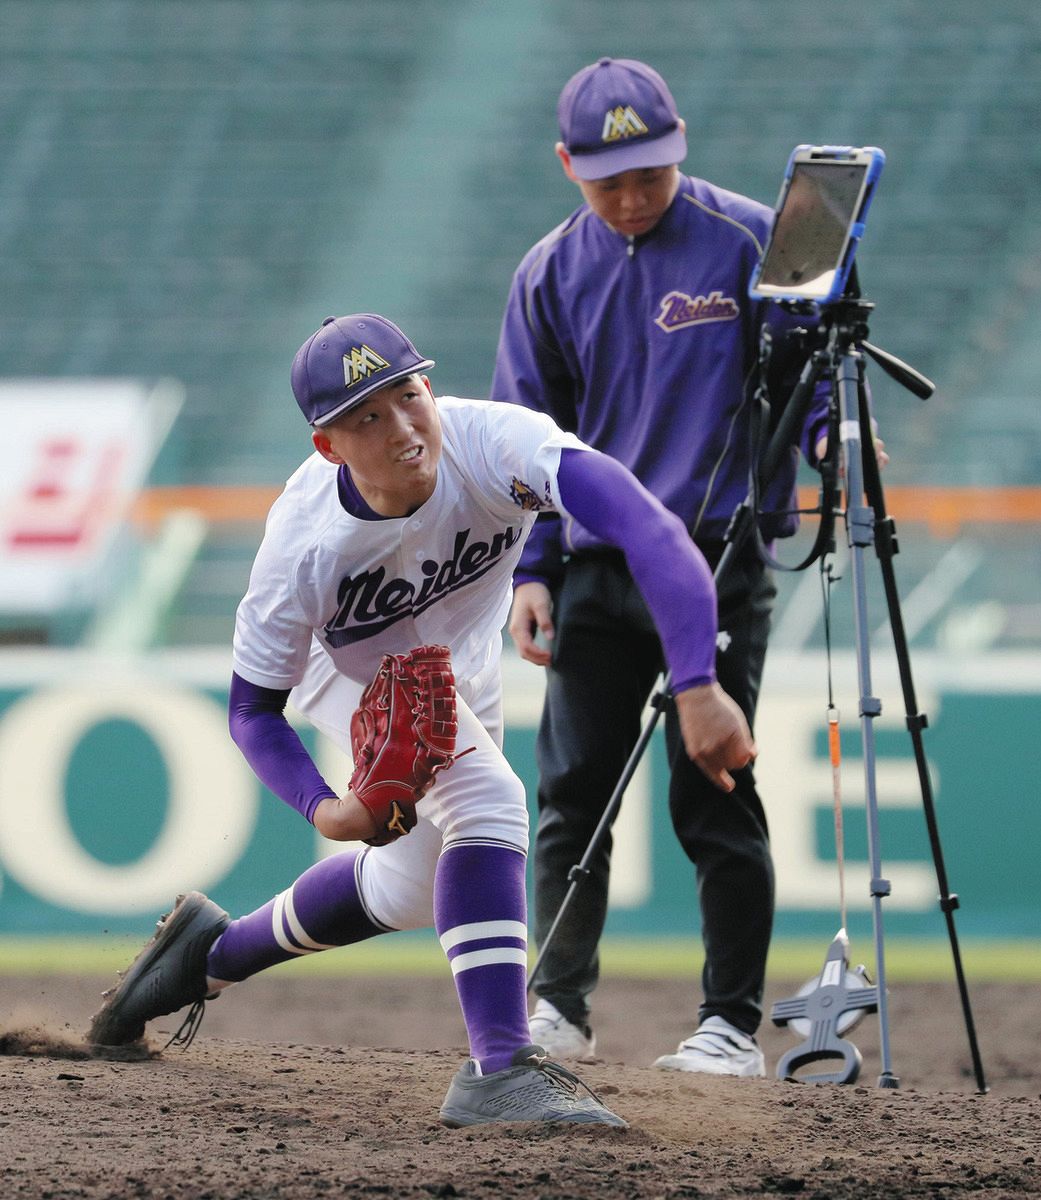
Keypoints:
pixel 119 787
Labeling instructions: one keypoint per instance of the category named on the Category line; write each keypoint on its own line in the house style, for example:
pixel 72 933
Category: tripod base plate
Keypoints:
pixel 823 1009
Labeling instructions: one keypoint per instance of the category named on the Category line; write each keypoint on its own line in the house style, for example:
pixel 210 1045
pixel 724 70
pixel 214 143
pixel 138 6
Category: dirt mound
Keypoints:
pixel 299 1118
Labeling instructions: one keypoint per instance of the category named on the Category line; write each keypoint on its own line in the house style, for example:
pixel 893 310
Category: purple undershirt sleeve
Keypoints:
pixel 542 558
pixel 815 424
pixel 256 719
pixel 668 568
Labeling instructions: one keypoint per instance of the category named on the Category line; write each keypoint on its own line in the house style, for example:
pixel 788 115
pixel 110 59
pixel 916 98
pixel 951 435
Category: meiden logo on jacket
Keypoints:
pixel 678 310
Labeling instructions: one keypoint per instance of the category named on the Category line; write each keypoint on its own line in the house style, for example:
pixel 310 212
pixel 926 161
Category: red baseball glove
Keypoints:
pixel 402 733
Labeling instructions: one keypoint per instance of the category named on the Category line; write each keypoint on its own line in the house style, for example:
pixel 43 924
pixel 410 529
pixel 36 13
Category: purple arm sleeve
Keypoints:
pixel 542 558
pixel 816 423
pixel 256 718
pixel 668 568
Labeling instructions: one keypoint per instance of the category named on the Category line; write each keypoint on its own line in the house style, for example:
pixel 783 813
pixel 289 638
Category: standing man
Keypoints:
pixel 631 324
pixel 395 543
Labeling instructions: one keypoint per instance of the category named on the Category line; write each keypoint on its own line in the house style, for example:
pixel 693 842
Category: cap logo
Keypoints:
pixel 362 362
pixel 620 123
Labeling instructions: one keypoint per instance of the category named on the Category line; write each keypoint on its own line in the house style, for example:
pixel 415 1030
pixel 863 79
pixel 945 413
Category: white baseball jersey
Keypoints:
pixel 365 588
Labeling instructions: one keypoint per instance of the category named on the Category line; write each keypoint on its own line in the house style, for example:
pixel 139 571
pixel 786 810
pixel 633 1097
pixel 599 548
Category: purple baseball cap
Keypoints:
pixel 347 360
pixel 618 115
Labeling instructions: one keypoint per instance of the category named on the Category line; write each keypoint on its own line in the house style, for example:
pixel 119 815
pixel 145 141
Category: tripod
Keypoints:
pixel 867 525
pixel 845 324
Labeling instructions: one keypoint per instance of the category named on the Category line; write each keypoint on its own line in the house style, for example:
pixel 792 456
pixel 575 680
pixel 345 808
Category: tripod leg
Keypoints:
pixel 580 872
pixel 886 548
pixel 860 534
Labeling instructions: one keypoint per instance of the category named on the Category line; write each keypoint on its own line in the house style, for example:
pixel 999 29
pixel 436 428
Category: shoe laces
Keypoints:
pixel 189 1027
pixel 559 1076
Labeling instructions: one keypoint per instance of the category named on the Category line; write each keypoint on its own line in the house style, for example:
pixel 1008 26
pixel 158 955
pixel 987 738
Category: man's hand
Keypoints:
pixel 881 457
pixel 715 733
pixel 531 614
pixel 344 819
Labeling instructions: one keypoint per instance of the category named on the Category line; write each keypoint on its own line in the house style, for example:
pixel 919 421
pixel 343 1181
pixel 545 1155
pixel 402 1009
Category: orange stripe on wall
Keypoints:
pixel 944 510
pixel 219 505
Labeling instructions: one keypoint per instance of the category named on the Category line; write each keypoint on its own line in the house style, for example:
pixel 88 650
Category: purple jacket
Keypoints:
pixel 644 348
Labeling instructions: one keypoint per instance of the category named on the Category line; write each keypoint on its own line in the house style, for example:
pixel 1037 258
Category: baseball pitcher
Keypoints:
pixel 376 602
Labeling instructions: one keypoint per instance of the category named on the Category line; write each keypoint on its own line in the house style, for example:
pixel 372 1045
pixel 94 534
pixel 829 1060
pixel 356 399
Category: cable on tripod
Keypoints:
pixel 828 579
pixel 759 436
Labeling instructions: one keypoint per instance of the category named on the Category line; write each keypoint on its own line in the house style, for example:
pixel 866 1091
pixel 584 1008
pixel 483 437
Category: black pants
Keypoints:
pixel 606 657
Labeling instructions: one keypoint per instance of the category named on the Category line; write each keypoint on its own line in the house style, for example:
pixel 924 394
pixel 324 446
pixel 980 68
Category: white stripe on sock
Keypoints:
pixel 486 958
pixel 276 925
pixel 297 929
pixel 480 930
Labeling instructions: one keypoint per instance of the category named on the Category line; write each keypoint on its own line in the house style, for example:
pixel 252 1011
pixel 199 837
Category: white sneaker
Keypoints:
pixel 716 1048
pixel 558 1037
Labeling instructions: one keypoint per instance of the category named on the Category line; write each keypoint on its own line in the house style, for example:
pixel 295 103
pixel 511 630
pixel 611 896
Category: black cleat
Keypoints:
pixel 169 973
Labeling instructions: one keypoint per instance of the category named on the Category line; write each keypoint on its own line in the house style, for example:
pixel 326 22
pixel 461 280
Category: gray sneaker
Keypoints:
pixel 534 1088
pixel 169 973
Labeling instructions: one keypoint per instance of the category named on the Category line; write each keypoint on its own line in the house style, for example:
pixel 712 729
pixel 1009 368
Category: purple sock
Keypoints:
pixel 480 914
pixel 321 910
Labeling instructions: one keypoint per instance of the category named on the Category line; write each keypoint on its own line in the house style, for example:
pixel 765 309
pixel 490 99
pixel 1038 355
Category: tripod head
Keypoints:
pixel 843 325
pixel 834 337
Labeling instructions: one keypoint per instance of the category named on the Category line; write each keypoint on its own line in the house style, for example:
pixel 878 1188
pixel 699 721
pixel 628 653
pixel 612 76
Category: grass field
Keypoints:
pixel 911 960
